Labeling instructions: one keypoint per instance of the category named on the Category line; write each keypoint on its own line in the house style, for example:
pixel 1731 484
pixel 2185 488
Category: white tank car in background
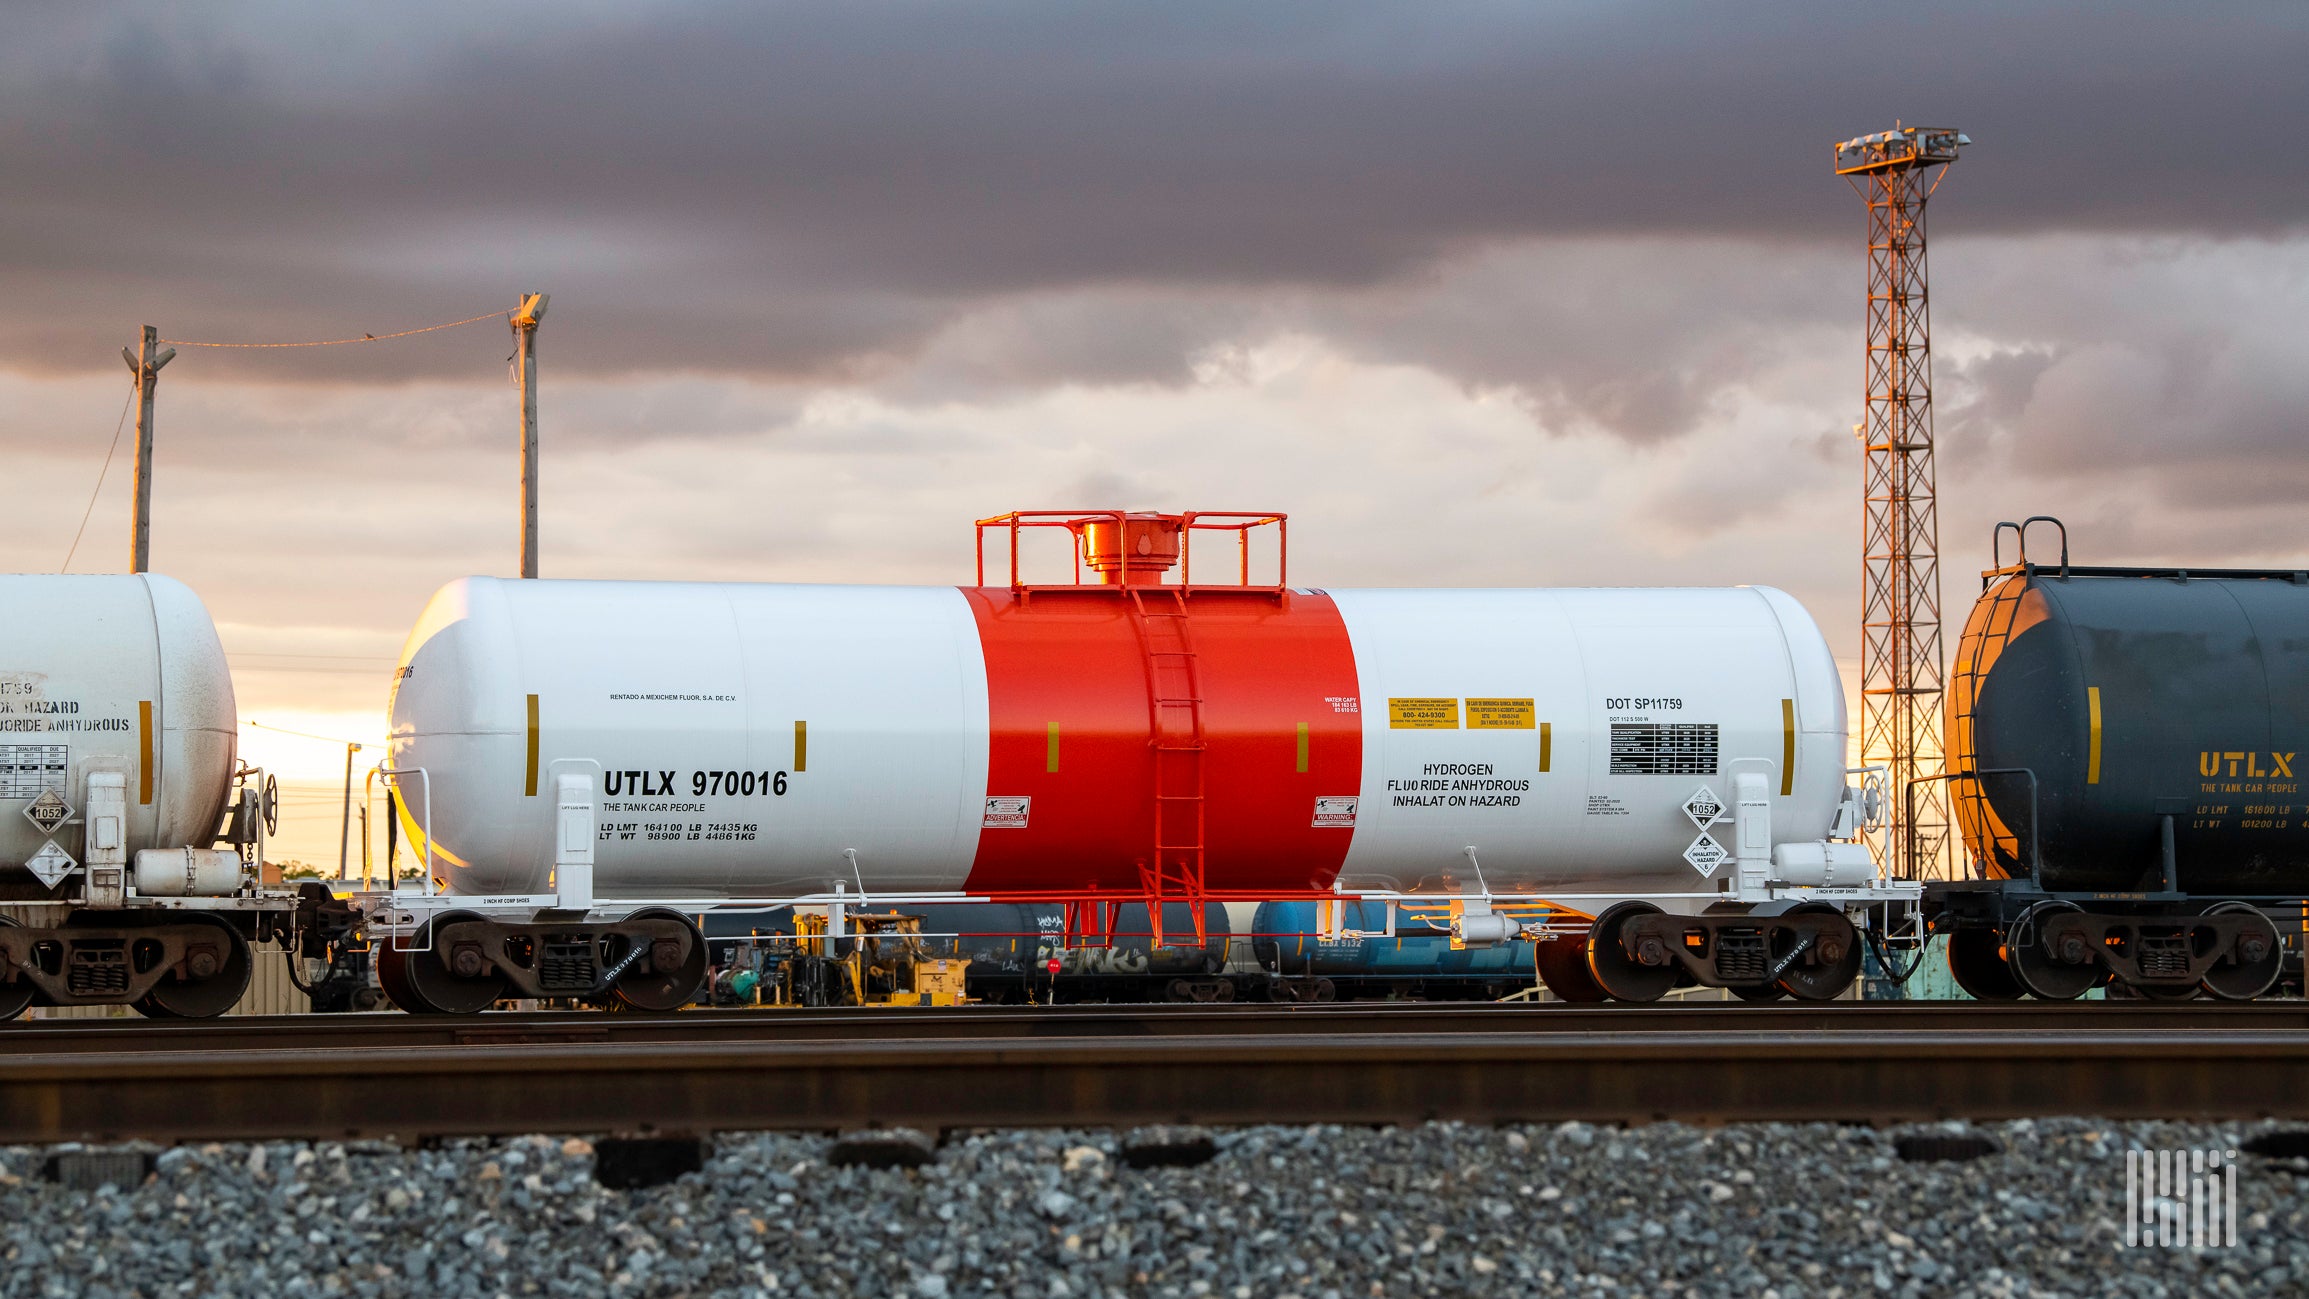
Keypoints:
pixel 1668 764
pixel 117 775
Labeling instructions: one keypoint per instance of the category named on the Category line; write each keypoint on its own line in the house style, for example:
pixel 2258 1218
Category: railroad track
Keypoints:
pixel 414 1077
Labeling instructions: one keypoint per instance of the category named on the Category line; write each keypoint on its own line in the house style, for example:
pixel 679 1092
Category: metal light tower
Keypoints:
pixel 1901 661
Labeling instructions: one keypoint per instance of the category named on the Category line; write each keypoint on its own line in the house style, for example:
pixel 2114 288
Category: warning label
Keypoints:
pixel 1706 855
pixel 1423 714
pixel 48 811
pixel 1006 813
pixel 1335 812
pixel 1499 714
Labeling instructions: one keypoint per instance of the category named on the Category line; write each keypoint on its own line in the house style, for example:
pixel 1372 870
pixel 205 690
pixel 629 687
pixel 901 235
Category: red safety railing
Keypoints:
pixel 1124 524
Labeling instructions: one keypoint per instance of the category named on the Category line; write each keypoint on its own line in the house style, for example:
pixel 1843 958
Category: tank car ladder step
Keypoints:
pixel 1175 735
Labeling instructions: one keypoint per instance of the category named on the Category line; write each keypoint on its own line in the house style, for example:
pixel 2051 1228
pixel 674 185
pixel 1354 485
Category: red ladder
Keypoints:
pixel 1175 734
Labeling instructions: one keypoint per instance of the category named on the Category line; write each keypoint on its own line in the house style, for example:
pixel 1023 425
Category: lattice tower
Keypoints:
pixel 1902 663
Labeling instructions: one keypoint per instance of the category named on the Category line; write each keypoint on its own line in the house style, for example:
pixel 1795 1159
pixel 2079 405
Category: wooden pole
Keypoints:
pixel 144 366
pixel 525 331
pixel 345 831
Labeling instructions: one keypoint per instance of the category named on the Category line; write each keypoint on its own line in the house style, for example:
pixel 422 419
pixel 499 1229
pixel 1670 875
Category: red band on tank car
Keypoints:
pixel 1075 684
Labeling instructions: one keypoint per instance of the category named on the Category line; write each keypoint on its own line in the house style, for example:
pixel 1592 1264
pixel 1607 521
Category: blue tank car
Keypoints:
pixel 1417 962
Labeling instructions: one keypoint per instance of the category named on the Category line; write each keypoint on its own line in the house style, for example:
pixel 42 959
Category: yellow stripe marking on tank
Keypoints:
pixel 1546 744
pixel 2093 754
pixel 1302 748
pixel 529 785
pixel 1787 747
pixel 801 747
pixel 143 751
pixel 1051 762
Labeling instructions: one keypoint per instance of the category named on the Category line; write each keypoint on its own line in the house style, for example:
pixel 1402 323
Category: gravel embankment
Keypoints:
pixel 1309 1212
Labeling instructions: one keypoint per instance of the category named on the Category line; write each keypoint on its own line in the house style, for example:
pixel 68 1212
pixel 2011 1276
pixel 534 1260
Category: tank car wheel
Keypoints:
pixel 427 974
pixel 15 995
pixel 1562 966
pixel 2039 968
pixel 2260 955
pixel 392 967
pixel 1976 962
pixel 663 989
pixel 216 982
pixel 1834 957
pixel 1759 992
pixel 1621 976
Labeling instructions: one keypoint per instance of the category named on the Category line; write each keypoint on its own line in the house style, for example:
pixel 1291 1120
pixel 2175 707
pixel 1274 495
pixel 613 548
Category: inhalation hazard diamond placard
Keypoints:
pixel 1703 807
pixel 51 863
pixel 1706 855
pixel 48 811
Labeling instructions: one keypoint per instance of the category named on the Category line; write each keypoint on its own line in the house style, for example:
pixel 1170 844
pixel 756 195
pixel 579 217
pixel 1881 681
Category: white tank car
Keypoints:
pixel 1651 784
pixel 769 741
pixel 111 678
pixel 117 765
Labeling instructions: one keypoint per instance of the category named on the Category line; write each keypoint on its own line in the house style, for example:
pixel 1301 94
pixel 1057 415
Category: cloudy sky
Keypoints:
pixel 1479 293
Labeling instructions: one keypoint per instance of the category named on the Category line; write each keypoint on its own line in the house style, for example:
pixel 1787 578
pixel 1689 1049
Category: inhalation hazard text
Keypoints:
pixel 1458 784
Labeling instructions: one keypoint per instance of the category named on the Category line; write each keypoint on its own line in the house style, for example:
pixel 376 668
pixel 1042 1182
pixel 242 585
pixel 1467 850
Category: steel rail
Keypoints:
pixel 392 1029
pixel 1407 1074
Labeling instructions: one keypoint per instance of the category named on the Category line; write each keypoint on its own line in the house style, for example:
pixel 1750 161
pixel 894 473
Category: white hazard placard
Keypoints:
pixel 51 863
pixel 48 811
pixel 1704 807
pixel 1335 812
pixel 1706 855
pixel 1007 813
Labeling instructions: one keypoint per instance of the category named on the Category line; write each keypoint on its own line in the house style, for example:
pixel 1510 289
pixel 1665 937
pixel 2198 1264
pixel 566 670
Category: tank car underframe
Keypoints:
pixel 455 957
pixel 187 959
pixel 1810 951
pixel 2055 945
pixel 441 952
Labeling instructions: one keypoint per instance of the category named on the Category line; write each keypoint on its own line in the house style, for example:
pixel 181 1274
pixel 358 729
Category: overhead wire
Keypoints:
pixel 283 730
pixel 187 342
pixel 365 338
pixel 98 490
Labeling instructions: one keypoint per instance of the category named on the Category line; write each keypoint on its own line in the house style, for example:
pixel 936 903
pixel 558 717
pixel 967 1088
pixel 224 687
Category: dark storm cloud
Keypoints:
pixel 815 191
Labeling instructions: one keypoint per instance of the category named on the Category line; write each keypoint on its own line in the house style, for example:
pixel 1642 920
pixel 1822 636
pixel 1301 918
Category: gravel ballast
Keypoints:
pixel 1443 1209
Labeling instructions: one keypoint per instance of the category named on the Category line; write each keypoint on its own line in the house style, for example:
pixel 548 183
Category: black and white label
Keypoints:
pixel 1335 812
pixel 51 863
pixel 1706 855
pixel 48 811
pixel 1663 748
pixel 30 770
pixel 1704 808
pixel 1007 813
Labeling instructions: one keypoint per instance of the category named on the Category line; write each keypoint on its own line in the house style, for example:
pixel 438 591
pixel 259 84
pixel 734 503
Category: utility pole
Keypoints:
pixel 1902 664
pixel 144 366
pixel 345 833
pixel 525 323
